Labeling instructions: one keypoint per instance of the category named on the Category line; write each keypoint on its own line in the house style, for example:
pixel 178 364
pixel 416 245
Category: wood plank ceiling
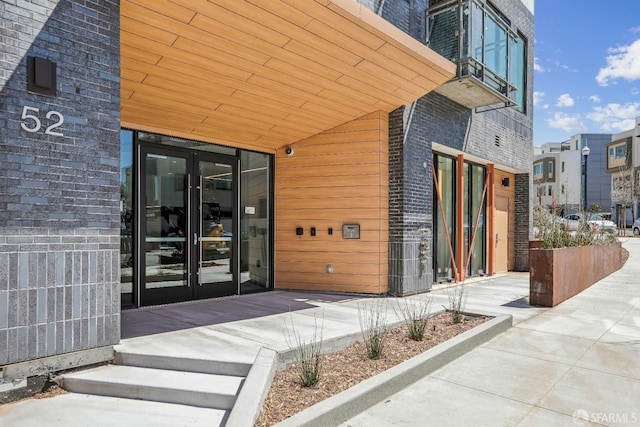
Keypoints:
pixel 262 74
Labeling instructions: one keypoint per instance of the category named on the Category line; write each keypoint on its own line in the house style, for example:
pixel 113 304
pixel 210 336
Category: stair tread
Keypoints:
pixel 71 408
pixel 159 378
pixel 239 368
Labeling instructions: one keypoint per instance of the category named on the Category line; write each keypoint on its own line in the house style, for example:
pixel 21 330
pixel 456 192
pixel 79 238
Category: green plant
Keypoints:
pixel 553 232
pixel 373 324
pixel 457 300
pixel 415 315
pixel 309 353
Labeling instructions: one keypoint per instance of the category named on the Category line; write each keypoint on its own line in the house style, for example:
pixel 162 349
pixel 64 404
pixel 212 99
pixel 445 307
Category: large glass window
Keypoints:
pixel 495 46
pixel 517 70
pixel 445 214
pixel 126 217
pixel 255 215
pixel 474 213
pixel 477 209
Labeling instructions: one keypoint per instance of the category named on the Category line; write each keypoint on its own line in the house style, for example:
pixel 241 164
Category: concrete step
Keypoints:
pixel 75 409
pixel 130 382
pixel 186 364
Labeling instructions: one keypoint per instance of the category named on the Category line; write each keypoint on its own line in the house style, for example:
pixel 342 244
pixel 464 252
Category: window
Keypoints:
pixel 621 152
pixel 550 190
pixel 562 189
pixel 562 168
pixel 517 69
pixel 537 169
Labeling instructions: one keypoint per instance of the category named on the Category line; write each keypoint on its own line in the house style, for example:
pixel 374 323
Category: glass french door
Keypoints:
pixel 187 222
pixel 215 219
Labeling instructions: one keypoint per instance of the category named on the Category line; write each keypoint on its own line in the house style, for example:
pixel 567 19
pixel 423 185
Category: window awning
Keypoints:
pixel 262 74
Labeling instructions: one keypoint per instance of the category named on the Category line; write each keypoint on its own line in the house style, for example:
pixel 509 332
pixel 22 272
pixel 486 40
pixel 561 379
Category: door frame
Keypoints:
pixel 193 290
pixel 200 290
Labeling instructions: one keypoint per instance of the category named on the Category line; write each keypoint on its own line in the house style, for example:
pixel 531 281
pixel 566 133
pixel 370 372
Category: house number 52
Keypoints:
pixel 31 122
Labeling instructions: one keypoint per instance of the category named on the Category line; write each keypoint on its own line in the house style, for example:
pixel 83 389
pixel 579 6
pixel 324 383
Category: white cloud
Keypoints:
pixel 565 100
pixel 537 67
pixel 635 29
pixel 623 63
pixel 538 97
pixel 566 122
pixel 594 98
pixel 616 117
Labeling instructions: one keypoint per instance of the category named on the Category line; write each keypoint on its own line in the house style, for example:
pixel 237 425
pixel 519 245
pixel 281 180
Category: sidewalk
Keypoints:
pixel 576 364
pixel 582 354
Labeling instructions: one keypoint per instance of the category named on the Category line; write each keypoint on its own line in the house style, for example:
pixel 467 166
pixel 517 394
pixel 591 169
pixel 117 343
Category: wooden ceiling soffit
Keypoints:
pixel 263 74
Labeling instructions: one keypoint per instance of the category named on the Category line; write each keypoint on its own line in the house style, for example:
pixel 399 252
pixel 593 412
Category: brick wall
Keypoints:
pixel 434 118
pixel 59 194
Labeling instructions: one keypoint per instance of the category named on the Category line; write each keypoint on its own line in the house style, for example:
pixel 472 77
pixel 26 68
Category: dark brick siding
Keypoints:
pixel 59 195
pixel 434 118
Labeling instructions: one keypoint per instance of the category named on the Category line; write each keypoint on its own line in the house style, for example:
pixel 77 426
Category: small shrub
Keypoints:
pixel 309 353
pixel 553 232
pixel 373 324
pixel 457 300
pixel 416 316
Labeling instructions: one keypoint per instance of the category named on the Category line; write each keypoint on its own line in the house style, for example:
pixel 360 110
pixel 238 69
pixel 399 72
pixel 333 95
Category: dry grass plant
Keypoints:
pixel 415 314
pixel 373 324
pixel 309 352
pixel 457 300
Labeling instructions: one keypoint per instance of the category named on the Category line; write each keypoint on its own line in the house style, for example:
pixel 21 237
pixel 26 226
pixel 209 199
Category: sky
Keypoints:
pixel 587 67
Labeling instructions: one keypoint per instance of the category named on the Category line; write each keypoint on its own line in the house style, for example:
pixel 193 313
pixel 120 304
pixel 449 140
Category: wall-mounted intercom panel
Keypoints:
pixel 351 231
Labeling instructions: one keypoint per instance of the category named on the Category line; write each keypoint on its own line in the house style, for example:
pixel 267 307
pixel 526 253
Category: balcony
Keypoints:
pixel 489 53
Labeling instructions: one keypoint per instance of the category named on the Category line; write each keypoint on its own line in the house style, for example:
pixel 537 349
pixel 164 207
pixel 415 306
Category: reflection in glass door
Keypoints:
pixel 164 227
pixel 199 222
pixel 445 217
pixel 216 222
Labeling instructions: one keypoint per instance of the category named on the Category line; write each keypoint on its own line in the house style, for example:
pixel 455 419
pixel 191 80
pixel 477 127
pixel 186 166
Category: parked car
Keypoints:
pixel 601 224
pixel 596 222
pixel 636 227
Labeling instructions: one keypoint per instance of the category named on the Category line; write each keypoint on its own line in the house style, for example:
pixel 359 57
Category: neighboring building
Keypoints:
pixel 558 174
pixel 623 163
pixel 155 152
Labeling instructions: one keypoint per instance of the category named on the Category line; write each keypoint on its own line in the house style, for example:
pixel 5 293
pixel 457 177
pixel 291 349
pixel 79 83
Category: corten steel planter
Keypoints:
pixel 558 274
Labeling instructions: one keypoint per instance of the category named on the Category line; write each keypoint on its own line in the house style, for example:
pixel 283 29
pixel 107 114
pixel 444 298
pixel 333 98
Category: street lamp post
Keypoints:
pixel 585 153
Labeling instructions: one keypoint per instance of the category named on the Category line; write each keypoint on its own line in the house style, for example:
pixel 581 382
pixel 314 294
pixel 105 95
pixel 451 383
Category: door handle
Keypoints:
pixel 195 239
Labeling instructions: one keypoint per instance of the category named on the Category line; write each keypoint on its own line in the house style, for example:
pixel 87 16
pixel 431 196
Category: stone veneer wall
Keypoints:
pixel 59 194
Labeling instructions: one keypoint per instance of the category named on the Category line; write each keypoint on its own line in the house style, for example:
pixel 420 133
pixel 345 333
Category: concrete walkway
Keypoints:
pixel 581 355
pixel 576 364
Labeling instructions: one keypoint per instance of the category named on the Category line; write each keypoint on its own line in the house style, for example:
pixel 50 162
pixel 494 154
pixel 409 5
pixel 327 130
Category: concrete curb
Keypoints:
pixel 357 399
pixel 254 391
